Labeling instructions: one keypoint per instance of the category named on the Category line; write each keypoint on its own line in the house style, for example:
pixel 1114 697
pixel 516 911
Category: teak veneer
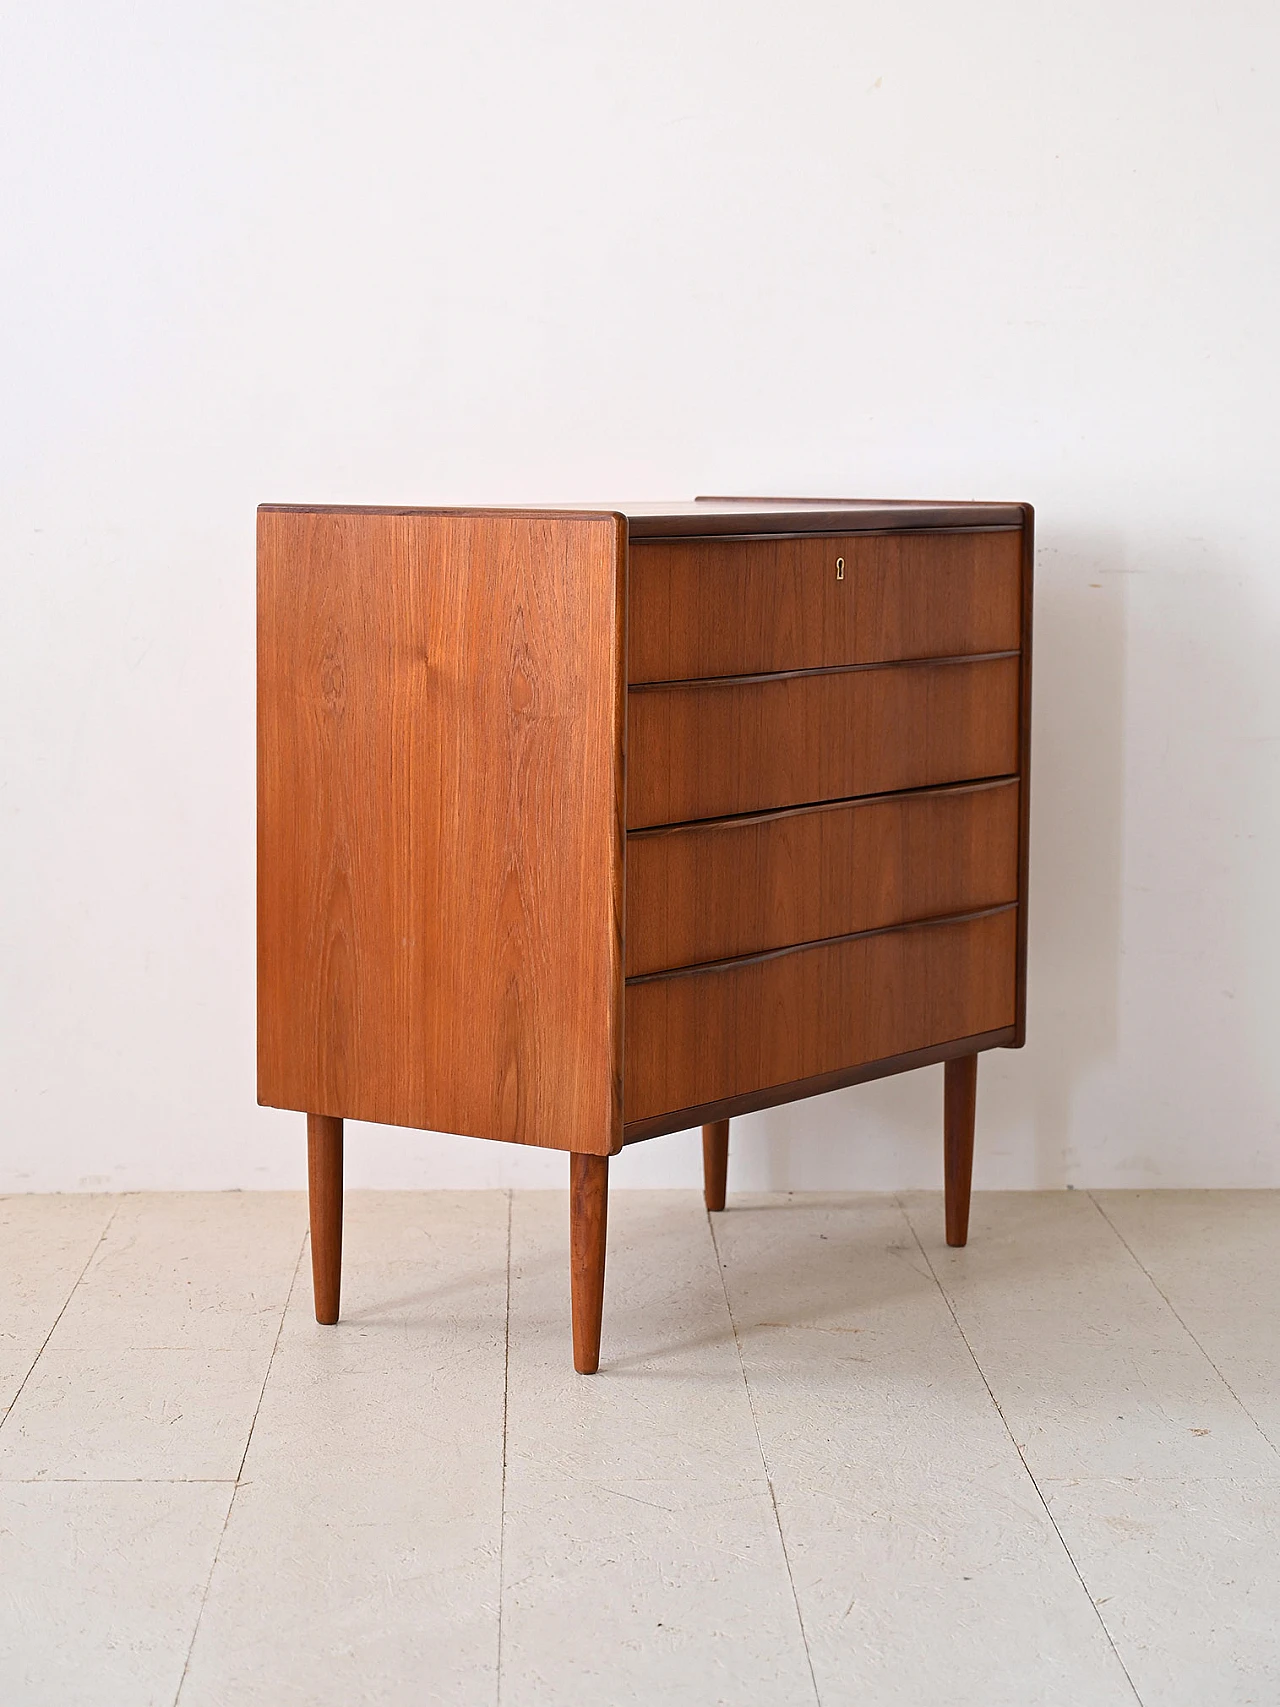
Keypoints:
pixel 580 826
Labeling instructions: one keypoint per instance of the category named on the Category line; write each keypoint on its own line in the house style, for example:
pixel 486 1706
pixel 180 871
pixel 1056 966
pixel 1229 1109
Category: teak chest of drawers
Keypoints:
pixel 577 827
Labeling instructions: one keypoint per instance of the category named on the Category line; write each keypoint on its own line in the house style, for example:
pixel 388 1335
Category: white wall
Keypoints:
pixel 389 252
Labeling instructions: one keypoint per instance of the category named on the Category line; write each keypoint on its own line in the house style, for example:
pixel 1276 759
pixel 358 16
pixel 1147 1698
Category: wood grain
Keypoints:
pixel 693 1038
pixel 727 607
pixel 816 1085
pixel 743 885
pixel 960 1102
pixel 712 749
pixel 440 843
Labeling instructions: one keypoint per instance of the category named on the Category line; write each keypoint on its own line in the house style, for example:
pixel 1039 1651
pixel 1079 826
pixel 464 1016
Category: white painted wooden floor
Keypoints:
pixel 826 1459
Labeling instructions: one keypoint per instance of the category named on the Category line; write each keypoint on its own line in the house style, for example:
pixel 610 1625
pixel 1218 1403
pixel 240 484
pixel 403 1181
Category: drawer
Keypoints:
pixel 729 607
pixel 694 1038
pixel 744 885
pixel 713 749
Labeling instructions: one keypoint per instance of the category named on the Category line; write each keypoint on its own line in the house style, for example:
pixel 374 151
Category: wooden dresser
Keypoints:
pixel 581 826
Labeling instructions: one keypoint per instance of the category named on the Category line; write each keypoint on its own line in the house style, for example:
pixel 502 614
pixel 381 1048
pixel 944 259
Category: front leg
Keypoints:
pixel 960 1101
pixel 588 1214
pixel 324 1191
pixel 715 1163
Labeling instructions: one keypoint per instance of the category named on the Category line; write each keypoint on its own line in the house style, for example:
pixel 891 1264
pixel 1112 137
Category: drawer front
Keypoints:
pixel 729 607
pixel 712 749
pixel 746 885
pixel 698 1037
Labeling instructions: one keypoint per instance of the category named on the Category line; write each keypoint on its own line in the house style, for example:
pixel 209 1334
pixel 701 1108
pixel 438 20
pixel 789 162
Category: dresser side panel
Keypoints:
pixel 441 705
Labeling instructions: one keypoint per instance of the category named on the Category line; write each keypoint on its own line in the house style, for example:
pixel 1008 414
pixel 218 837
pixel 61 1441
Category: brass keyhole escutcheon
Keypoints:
pixel 839 568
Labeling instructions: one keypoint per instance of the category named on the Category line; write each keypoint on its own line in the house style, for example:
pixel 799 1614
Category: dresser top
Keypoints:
pixel 682 518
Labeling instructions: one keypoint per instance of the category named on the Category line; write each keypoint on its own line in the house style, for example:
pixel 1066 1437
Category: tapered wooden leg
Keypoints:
pixel 324 1188
pixel 715 1163
pixel 960 1101
pixel 588 1214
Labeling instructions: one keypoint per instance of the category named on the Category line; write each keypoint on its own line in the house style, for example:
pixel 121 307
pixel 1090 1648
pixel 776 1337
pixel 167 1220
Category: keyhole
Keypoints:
pixel 839 568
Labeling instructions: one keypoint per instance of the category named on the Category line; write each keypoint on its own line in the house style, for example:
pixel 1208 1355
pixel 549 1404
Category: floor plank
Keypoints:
pixel 190 1271
pixel 1186 1573
pixel 1215 1255
pixel 156 1365
pixel 1092 1369
pixel 642 1560
pixel 47 1240
pixel 1160 1482
pixel 100 1586
pixel 926 1566
pixel 106 1414
pixel 361 1558
pixel 1111 1515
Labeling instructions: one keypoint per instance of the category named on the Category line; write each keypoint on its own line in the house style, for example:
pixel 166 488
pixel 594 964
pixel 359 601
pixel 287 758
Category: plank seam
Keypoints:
pixel 1102 1623
pixel 222 1533
pixel 764 1462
